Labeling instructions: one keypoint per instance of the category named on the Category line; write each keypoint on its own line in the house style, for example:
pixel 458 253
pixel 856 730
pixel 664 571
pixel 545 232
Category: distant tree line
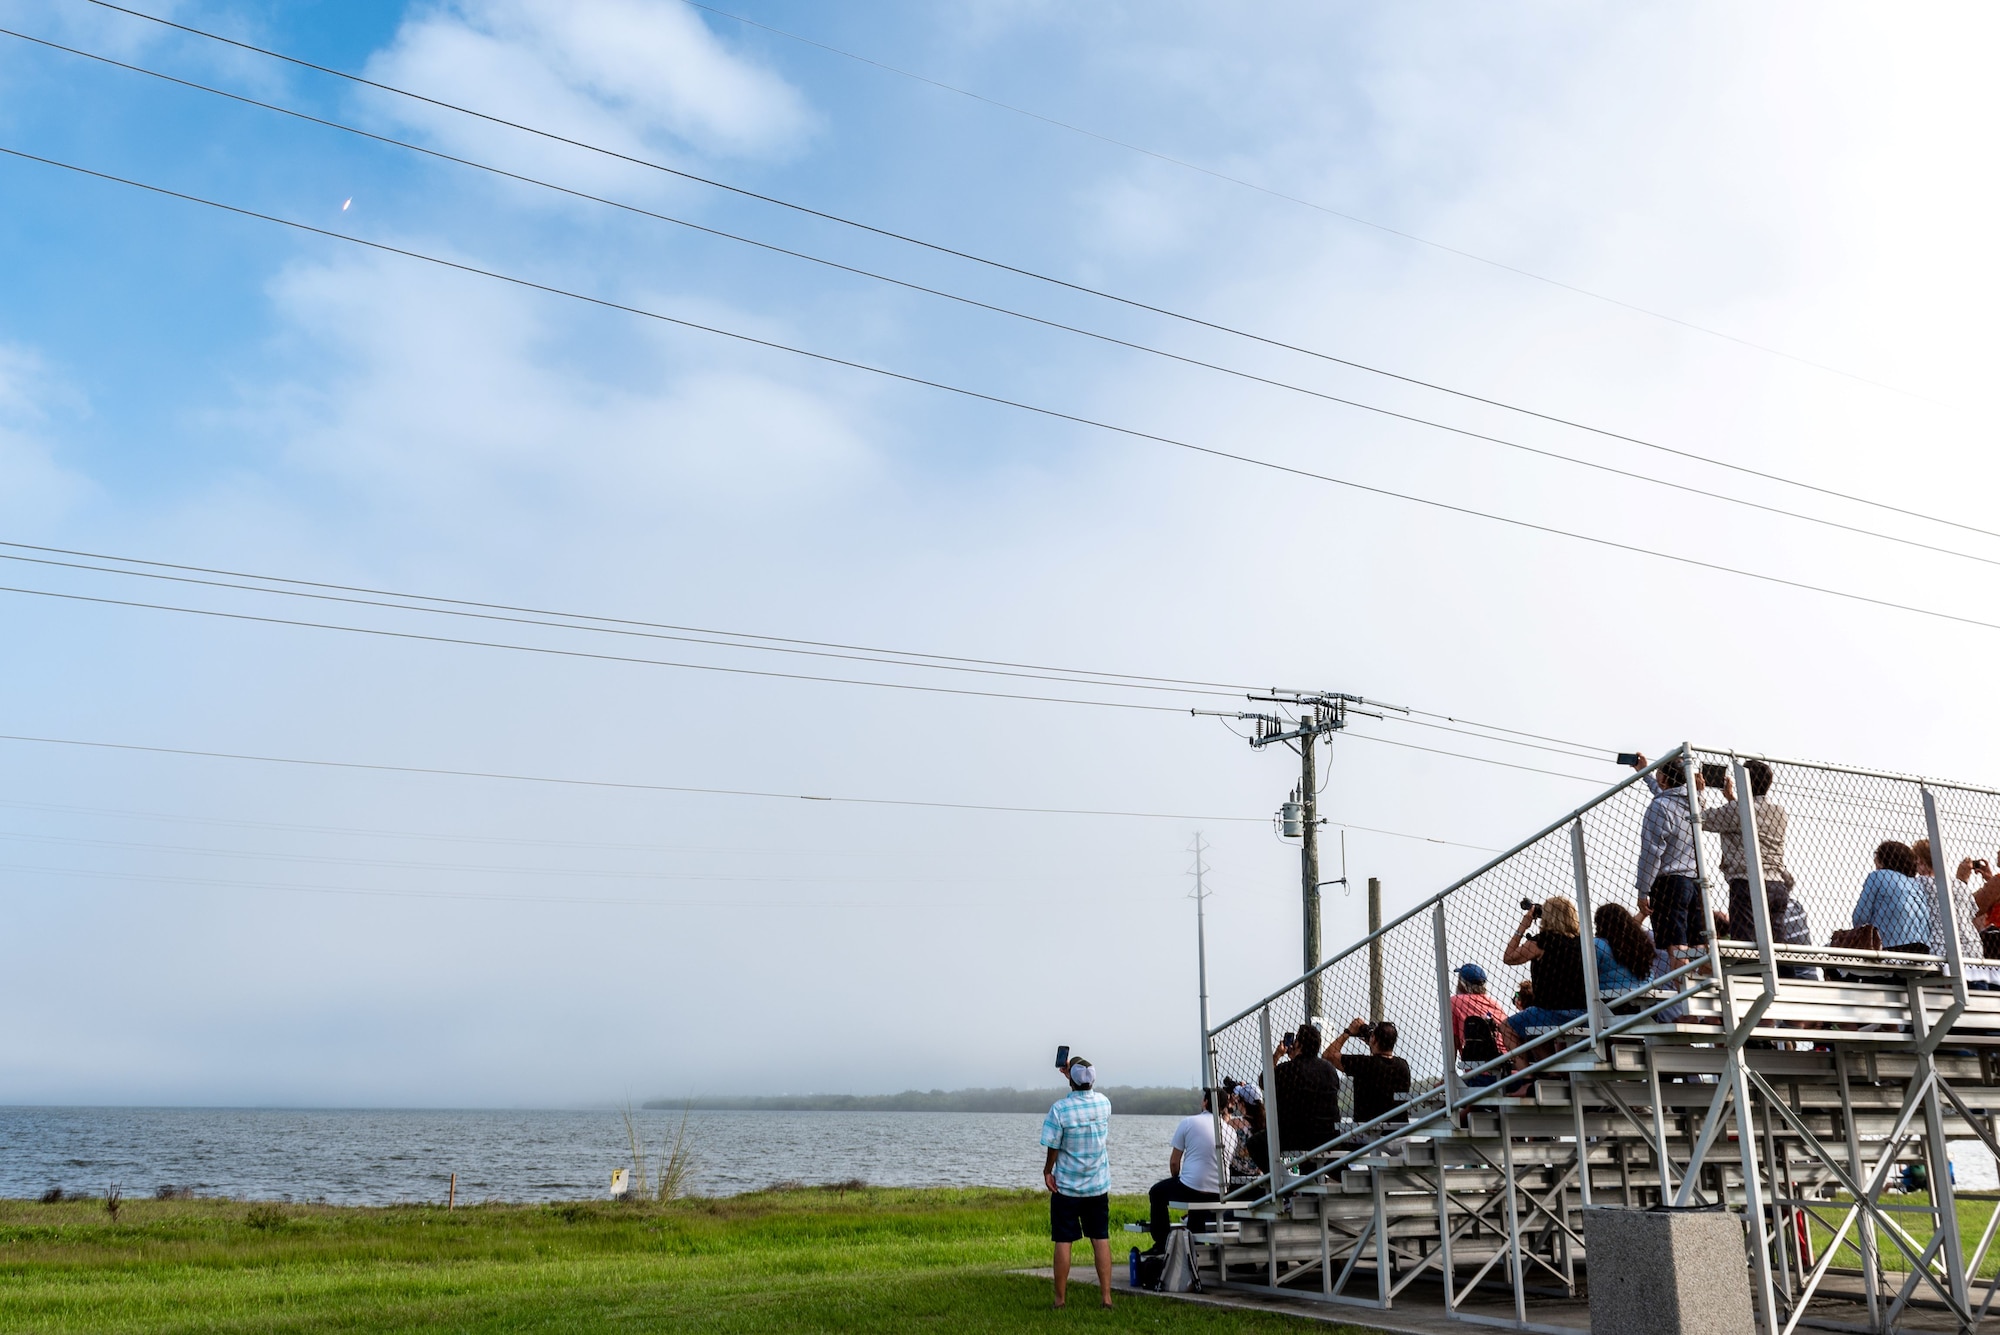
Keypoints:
pixel 1141 1099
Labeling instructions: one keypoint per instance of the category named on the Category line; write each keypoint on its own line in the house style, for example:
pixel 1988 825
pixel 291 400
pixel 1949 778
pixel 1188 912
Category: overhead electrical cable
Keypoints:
pixel 293 888
pixel 593 655
pixel 618 785
pixel 1000 265
pixel 905 657
pixel 485 869
pixel 1109 339
pixel 1002 401
pixel 412 602
pixel 433 836
pixel 353 600
pixel 1305 203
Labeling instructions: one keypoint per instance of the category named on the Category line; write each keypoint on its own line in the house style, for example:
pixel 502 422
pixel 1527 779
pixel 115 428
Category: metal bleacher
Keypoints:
pixel 1727 1080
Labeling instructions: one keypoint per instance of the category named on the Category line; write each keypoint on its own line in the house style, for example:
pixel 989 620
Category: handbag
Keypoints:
pixel 1865 937
pixel 1989 941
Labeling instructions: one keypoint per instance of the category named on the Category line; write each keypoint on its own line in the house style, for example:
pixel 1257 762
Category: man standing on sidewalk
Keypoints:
pixel 1077 1171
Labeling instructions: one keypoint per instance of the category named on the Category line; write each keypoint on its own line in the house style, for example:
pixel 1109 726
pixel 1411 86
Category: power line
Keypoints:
pixel 348 831
pixel 1002 266
pixel 1049 675
pixel 578 621
pixel 898 656
pixel 292 888
pixel 1306 203
pixel 1002 401
pixel 423 771
pixel 580 653
pixel 1111 340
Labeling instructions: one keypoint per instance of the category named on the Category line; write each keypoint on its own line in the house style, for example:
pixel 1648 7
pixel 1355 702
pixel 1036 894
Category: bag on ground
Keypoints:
pixel 1180 1275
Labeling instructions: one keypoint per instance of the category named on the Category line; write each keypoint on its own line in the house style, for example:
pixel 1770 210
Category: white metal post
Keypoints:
pixel 1753 870
pixel 1945 905
pixel 1270 1097
pixel 1593 1004
pixel 1444 990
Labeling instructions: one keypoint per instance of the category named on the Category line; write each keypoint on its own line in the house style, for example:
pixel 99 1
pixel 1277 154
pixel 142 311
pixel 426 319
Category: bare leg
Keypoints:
pixel 1062 1271
pixel 1101 1247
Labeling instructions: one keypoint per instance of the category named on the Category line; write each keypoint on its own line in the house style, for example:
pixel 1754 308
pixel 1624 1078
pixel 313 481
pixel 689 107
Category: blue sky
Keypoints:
pixel 185 386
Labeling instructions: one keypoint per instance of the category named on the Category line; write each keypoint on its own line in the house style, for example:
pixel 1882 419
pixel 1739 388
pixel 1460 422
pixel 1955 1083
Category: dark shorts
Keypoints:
pixel 1073 1217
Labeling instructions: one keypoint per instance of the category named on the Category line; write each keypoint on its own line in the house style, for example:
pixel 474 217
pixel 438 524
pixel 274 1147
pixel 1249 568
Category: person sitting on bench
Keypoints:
pixel 1193 1168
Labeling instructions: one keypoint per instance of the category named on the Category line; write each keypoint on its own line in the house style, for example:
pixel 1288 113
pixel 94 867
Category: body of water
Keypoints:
pixel 361 1157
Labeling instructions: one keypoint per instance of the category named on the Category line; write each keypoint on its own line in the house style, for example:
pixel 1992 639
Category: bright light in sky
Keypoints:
pixel 196 387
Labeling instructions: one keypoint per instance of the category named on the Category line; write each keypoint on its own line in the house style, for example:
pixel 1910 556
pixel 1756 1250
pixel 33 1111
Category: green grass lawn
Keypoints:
pixel 1972 1218
pixel 815 1259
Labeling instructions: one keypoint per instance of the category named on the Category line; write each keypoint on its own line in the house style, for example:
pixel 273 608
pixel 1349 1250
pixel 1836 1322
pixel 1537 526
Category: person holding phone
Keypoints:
pixel 1665 877
pixel 1077 1172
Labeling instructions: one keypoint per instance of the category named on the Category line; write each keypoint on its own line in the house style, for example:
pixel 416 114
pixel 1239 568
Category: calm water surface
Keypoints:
pixel 358 1157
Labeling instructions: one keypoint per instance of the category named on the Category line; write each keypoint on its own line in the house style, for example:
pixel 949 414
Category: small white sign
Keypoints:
pixel 621 1181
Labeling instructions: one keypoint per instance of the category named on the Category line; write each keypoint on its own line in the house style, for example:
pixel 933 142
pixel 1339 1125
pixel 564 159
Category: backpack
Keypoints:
pixel 1482 1039
pixel 1179 1274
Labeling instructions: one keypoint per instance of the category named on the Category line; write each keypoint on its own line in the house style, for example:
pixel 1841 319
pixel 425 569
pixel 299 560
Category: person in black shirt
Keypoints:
pixel 1376 1077
pixel 1554 957
pixel 1306 1098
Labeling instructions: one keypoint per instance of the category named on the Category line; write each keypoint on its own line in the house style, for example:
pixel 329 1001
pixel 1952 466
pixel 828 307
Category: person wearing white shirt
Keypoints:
pixel 1193 1169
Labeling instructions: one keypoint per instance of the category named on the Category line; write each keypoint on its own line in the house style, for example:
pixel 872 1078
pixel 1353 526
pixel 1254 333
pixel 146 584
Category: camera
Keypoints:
pixel 1367 1033
pixel 1530 906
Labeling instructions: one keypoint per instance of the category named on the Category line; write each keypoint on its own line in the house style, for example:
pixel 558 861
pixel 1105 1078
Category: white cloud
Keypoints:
pixel 34 487
pixel 639 78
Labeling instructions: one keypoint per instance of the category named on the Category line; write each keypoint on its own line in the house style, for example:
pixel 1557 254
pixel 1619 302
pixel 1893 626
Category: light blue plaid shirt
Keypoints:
pixel 1078 1128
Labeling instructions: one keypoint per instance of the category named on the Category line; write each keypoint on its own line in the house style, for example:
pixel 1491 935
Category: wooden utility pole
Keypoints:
pixel 1375 1006
pixel 1309 865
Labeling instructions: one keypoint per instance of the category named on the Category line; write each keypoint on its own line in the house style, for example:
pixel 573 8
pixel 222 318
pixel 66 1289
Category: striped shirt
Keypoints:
pixel 1078 1128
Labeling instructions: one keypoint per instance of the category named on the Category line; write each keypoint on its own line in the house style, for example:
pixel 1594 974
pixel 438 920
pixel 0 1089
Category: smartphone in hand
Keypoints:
pixel 1062 1056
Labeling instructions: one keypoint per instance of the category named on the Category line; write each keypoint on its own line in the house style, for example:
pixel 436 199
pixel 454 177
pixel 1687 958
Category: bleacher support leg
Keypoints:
pixel 1513 1218
pixel 1870 1269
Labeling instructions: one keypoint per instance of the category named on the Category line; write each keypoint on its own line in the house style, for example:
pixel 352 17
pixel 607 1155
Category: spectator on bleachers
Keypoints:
pixel 1478 1025
pixel 1625 954
pixel 1967 915
pixel 1985 901
pixel 1377 1076
pixel 1554 957
pixel 1726 819
pixel 1200 1145
pixel 1893 903
pixel 1665 877
pixel 1306 1098
pixel 1254 1145
pixel 1795 929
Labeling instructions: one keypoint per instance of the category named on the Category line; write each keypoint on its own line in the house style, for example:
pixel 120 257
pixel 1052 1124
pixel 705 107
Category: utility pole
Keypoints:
pixel 1200 895
pixel 1320 713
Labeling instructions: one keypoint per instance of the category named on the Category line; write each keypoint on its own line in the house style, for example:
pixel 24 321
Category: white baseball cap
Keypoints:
pixel 1081 1075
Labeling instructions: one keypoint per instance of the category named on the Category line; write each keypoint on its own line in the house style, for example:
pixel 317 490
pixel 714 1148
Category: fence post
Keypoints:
pixel 1945 904
pixel 1593 1004
pixel 1271 1139
pixel 1450 1080
pixel 1753 871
